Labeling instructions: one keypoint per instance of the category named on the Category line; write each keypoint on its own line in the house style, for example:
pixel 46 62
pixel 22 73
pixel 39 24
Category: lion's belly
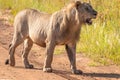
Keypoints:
pixel 63 41
pixel 70 38
pixel 39 42
pixel 38 38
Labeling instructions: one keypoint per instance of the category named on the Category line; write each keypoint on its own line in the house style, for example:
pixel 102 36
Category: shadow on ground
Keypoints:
pixel 105 75
pixel 67 74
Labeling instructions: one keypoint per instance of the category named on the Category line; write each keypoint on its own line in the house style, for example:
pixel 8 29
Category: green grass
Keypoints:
pixel 100 41
pixel 49 6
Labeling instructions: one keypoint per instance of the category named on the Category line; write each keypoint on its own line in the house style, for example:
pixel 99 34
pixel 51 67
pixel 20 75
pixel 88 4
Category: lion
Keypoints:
pixel 48 30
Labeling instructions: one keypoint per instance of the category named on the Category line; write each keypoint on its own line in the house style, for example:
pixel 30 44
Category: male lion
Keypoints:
pixel 60 28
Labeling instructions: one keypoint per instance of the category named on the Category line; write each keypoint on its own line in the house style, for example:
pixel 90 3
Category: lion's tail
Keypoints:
pixel 7 60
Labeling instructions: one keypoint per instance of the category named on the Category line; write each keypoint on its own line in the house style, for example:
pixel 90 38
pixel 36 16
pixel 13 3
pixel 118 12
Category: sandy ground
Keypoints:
pixel 61 68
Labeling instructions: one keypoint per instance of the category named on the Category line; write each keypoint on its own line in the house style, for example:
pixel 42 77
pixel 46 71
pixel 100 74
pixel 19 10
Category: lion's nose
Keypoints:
pixel 95 13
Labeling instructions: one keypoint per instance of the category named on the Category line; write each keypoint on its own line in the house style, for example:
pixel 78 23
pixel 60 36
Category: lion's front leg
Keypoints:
pixel 49 56
pixel 71 51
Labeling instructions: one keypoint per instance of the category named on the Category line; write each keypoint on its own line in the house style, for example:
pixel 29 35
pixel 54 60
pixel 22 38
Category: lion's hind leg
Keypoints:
pixel 17 40
pixel 27 47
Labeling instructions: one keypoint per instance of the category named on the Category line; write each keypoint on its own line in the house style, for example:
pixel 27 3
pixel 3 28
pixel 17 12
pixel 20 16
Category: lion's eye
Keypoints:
pixel 87 8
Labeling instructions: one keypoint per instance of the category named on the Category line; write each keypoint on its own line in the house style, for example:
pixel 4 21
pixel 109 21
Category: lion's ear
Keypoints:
pixel 77 3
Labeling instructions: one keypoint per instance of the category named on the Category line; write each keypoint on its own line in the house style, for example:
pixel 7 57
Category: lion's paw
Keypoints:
pixel 47 69
pixel 77 72
pixel 29 66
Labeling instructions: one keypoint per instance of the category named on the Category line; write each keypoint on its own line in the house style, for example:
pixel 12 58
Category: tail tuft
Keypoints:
pixel 7 62
pixel 10 45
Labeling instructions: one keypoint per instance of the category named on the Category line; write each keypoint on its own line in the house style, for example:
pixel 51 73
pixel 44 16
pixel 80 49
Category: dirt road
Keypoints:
pixel 60 62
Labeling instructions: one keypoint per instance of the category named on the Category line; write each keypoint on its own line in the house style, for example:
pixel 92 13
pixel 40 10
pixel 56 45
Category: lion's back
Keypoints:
pixel 32 15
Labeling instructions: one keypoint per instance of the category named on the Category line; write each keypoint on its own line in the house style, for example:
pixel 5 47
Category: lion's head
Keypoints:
pixel 86 12
pixel 83 12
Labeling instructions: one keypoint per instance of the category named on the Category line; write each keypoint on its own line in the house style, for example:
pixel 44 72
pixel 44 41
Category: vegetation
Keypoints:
pixel 100 41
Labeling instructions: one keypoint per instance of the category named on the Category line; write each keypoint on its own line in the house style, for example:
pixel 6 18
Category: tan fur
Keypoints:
pixel 48 30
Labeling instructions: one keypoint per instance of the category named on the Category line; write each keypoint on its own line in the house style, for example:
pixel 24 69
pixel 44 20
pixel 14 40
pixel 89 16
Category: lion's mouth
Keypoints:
pixel 89 21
